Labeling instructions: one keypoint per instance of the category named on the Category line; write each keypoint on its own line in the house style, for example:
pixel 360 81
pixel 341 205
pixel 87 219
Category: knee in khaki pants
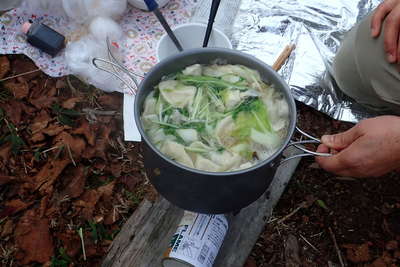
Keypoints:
pixel 362 72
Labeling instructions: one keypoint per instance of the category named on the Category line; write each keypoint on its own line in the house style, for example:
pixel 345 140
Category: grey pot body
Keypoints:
pixel 200 191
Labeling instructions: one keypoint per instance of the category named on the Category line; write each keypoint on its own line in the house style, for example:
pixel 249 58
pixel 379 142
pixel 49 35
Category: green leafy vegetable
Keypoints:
pixel 199 126
pixel 252 113
pixel 184 111
pixel 207 81
pixel 168 111
pixel 172 131
pixel 156 92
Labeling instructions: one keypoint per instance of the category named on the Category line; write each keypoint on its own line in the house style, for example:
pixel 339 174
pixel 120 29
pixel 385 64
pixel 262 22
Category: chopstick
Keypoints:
pixel 285 54
pixel 153 7
pixel 211 19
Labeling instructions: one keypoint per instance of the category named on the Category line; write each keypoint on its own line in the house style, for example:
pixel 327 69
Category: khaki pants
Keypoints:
pixel 363 73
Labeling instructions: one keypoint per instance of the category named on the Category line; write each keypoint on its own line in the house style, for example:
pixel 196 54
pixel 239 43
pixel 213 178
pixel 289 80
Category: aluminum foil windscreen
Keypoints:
pixel 264 27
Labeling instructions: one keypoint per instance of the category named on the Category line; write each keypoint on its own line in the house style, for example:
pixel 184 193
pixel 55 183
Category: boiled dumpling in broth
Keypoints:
pixel 216 118
pixel 176 152
pixel 177 94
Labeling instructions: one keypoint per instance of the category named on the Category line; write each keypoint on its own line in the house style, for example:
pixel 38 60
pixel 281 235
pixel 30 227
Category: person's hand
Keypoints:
pixel 369 149
pixel 389 11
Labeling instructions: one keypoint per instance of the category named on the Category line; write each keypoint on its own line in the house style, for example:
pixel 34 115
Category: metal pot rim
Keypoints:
pixel 225 51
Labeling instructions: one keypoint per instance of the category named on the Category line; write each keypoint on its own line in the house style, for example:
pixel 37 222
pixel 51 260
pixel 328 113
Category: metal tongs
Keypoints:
pixel 118 70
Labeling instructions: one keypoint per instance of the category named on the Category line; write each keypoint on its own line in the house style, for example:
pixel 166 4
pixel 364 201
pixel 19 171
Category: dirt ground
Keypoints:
pixel 68 182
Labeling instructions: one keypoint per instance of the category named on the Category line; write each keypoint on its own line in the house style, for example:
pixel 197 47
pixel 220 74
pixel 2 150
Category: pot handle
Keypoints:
pixel 307 153
pixel 118 70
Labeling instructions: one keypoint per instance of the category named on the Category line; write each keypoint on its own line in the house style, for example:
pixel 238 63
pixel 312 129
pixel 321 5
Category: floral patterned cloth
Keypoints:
pixel 142 30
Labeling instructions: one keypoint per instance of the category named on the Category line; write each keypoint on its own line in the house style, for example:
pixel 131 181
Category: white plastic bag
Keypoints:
pixel 43 6
pixel 103 27
pixel 83 11
pixel 79 56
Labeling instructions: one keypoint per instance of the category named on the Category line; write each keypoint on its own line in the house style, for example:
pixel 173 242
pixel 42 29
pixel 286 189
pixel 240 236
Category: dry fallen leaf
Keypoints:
pixel 8 228
pixel 74 180
pixel 112 101
pixel 4 66
pixel 112 217
pixel 32 236
pixel 20 65
pixel 19 90
pixel 49 173
pixel 40 122
pixel 88 202
pixel 358 253
pixel 70 242
pixel 70 103
pixel 87 131
pixel 130 181
pixel 5 179
pixel 102 142
pixel 53 129
pixel 5 150
pixel 116 169
pixel 37 137
pixel 385 261
pixel 16 205
pixel 90 198
pixel 76 144
pixel 43 102
pixel 60 84
pixel 13 110
pixel 106 191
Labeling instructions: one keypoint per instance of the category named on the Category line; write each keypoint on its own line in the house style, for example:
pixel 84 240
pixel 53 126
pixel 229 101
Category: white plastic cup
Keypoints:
pixel 190 35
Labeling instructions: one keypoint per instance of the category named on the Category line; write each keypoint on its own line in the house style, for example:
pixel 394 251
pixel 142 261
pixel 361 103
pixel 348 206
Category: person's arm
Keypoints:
pixel 369 149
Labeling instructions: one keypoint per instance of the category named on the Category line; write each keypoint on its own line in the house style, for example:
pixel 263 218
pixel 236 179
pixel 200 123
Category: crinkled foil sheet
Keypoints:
pixel 264 27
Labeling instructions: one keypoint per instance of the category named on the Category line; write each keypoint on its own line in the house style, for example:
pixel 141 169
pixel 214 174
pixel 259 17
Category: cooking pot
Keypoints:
pixel 212 192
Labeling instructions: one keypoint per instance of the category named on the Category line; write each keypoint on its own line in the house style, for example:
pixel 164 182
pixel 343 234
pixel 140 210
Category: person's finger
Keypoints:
pixel 379 14
pixel 391 34
pixel 322 149
pixel 331 164
pixel 341 140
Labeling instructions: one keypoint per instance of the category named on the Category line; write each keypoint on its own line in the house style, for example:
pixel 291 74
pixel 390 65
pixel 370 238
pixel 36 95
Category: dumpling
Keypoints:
pixel 176 152
pixel 243 166
pixel 204 164
pixel 188 135
pixel 194 70
pixel 150 105
pixel 278 110
pixel 148 120
pixel 231 98
pixel 222 70
pixel 157 135
pixel 226 159
pixel 223 132
pixel 177 94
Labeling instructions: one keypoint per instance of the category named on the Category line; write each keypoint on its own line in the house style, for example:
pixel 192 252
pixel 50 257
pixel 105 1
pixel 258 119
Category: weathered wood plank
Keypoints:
pixel 145 236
